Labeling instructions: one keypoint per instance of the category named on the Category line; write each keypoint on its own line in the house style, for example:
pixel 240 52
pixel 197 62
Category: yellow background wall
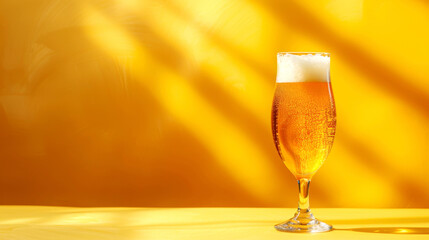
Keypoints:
pixel 167 103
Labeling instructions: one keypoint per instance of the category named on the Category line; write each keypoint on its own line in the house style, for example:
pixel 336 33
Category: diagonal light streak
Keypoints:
pixel 238 155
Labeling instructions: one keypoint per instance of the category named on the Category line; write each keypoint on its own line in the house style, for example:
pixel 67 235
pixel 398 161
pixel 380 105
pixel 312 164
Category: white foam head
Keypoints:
pixel 303 67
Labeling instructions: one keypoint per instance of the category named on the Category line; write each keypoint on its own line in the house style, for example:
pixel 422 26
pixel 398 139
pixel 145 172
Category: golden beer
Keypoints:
pixel 303 124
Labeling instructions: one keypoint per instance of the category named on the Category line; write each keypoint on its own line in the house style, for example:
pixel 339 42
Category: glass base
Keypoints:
pixel 303 222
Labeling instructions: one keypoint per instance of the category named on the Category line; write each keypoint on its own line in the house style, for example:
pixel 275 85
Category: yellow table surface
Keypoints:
pixel 35 222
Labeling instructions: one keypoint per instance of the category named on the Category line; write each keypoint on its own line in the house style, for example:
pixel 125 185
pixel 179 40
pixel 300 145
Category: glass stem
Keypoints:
pixel 304 198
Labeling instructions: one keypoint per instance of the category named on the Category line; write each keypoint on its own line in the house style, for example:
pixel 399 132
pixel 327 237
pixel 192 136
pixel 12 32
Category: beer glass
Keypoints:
pixel 303 125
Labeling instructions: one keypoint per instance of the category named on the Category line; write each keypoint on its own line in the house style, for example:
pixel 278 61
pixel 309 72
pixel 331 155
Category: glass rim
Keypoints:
pixel 304 53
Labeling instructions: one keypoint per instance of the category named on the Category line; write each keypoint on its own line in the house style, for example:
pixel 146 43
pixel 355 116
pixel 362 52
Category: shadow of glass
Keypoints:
pixel 391 230
pixel 380 220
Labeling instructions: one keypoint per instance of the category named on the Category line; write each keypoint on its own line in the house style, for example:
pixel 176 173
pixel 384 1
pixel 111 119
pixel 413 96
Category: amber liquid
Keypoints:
pixel 303 124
